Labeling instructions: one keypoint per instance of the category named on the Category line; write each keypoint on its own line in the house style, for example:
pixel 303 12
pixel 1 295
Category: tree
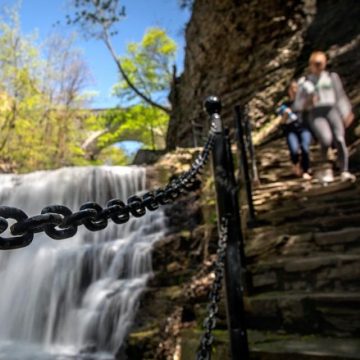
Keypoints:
pixel 42 121
pixel 139 122
pixel 148 65
pixel 98 18
pixel 64 76
pixel 146 76
pixel 18 64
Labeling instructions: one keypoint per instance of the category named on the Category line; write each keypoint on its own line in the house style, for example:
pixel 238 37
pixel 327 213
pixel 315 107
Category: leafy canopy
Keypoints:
pixel 42 124
pixel 138 123
pixel 99 18
pixel 148 65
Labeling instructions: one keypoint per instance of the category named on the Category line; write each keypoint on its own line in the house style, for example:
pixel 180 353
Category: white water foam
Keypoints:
pixel 74 298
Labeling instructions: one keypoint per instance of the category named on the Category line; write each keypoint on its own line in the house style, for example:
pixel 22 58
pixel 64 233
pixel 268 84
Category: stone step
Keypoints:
pixel 311 211
pixel 330 314
pixel 269 243
pixel 329 223
pixel 309 191
pixel 342 239
pixel 295 202
pixel 276 186
pixel 335 187
pixel 275 346
pixel 328 272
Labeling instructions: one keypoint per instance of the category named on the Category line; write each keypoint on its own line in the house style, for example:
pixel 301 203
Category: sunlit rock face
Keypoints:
pixel 74 298
pixel 248 51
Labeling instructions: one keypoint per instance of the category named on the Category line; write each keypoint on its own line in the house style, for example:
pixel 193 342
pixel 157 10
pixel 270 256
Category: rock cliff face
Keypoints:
pixel 247 51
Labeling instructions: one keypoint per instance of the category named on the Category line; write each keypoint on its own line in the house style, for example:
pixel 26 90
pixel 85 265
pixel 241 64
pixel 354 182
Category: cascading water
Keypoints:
pixel 74 298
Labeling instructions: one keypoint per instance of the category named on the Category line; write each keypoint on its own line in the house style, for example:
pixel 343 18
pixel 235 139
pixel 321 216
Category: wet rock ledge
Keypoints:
pixel 181 264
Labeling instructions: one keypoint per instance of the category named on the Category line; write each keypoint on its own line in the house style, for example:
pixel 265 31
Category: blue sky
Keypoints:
pixel 41 15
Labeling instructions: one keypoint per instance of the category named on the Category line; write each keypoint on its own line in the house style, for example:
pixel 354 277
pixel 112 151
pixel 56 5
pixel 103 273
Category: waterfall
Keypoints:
pixel 74 298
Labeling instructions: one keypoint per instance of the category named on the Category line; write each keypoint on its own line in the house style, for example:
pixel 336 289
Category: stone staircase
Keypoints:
pixel 303 273
pixel 303 270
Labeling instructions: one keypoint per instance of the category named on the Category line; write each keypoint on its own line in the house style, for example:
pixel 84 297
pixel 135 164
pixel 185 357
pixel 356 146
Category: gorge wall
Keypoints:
pixel 247 51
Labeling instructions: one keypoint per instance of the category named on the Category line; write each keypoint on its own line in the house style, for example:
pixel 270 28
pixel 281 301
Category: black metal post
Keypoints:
pixel 248 132
pixel 228 206
pixel 239 115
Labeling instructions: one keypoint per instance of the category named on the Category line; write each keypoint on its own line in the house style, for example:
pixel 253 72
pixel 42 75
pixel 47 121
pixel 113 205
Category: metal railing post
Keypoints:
pixel 228 206
pixel 239 116
pixel 249 140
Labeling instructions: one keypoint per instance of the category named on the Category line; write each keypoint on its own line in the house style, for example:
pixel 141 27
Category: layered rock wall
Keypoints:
pixel 248 51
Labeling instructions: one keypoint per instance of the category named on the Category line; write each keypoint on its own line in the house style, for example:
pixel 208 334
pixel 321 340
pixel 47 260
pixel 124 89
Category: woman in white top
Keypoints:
pixel 322 94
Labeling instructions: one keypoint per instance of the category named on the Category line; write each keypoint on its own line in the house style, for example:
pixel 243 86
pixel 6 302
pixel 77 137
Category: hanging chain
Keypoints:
pixel 59 222
pixel 207 339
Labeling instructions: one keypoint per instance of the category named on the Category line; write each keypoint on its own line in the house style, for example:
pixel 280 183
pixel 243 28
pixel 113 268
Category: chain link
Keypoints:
pixel 207 339
pixel 59 222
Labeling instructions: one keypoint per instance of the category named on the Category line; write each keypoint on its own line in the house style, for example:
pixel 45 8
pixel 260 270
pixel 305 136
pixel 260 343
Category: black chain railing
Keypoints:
pixel 59 222
pixel 207 339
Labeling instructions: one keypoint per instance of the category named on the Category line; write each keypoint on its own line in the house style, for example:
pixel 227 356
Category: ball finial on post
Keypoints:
pixel 212 105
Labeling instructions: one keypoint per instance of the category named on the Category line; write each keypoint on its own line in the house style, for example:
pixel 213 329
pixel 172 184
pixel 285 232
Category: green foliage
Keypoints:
pixel 42 121
pixel 98 18
pixel 139 122
pixel 148 65
pixel 42 125
pixel 145 77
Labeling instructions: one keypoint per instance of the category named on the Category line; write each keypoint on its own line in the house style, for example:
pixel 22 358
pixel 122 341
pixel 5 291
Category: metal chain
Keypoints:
pixel 59 222
pixel 207 339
